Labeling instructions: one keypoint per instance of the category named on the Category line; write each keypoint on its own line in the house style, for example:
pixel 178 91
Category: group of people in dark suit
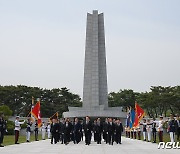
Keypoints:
pixel 67 131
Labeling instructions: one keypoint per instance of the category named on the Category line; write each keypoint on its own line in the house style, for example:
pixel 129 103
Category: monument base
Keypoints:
pixel 114 112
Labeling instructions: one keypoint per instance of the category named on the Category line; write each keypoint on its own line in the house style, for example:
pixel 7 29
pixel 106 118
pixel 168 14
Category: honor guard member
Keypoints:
pixel 139 132
pixel 154 130
pixel 77 131
pixel 118 130
pixel 54 131
pixel 43 130
pixel 144 124
pixel 2 128
pixel 87 130
pixel 135 132
pixel 105 130
pixel 49 130
pixel 36 130
pixel 28 130
pixel 177 127
pixel 149 129
pixel 17 129
pixel 172 128
pixel 111 129
pixel 160 129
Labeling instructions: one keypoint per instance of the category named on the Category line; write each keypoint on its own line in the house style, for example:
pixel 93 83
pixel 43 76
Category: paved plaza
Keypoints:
pixel 128 146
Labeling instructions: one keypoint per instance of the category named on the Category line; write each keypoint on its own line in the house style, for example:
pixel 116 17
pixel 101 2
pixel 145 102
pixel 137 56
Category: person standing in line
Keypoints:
pixel 154 130
pixel 36 130
pixel 17 128
pixel 28 130
pixel 87 130
pixel 111 129
pixel 144 124
pixel 177 126
pixel 160 129
pixel 172 128
pixel 149 129
pixel 62 129
pixel 105 130
pixel 98 131
pixel 94 127
pixel 49 130
pixel 77 131
pixel 139 132
pixel 3 125
pixel 135 133
pixel 118 130
pixel 43 130
pixel 54 131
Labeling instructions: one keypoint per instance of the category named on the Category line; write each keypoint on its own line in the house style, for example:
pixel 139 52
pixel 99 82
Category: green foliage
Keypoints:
pixel 6 110
pixel 10 127
pixel 158 101
pixel 19 98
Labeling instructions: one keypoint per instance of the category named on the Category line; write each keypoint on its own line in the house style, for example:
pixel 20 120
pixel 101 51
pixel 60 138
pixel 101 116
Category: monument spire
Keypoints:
pixel 95 78
pixel 95 93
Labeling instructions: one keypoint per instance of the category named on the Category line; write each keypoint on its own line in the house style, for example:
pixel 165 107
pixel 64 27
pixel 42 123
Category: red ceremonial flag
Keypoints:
pixel 139 114
pixel 36 113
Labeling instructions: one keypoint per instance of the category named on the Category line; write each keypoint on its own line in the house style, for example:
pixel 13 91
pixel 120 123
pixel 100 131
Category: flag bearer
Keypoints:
pixel 36 131
pixel 149 130
pixel 28 130
pixel 2 128
pixel 144 124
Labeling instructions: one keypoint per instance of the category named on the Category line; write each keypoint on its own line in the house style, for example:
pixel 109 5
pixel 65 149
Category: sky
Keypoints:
pixel 42 43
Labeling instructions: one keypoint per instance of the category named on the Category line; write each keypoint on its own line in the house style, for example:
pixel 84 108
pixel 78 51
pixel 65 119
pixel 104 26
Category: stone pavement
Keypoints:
pixel 128 146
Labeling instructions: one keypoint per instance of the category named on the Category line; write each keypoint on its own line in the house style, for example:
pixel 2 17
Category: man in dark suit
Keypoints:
pixel 98 131
pixel 2 128
pixel 62 128
pixel 87 130
pixel 54 131
pixel 77 131
pixel 67 131
pixel 111 129
pixel 118 130
pixel 177 127
pixel 105 130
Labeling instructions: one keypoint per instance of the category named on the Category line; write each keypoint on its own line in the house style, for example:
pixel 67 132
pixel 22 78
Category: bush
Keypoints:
pixel 10 127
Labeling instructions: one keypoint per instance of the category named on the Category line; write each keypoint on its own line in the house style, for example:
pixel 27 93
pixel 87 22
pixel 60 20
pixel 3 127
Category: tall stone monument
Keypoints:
pixel 95 93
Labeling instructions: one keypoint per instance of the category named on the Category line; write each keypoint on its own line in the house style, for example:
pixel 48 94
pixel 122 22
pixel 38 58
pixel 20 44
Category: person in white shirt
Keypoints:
pixel 28 130
pixel 149 130
pixel 160 129
pixel 49 130
pixel 43 130
pixel 144 124
pixel 17 129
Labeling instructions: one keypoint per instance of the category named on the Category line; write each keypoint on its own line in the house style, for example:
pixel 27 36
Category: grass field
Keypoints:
pixel 9 139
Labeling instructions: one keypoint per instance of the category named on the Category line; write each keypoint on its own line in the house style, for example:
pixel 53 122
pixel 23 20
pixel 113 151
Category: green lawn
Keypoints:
pixel 9 139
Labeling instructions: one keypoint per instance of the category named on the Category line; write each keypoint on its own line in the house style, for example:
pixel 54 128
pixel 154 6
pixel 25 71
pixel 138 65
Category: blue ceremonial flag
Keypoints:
pixel 132 118
pixel 128 116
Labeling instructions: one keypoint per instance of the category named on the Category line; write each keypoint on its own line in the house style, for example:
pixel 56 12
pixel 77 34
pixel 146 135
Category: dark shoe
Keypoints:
pixel 1 145
pixel 16 143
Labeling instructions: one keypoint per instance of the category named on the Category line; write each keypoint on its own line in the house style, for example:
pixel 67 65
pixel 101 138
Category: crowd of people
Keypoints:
pixel 152 128
pixel 98 131
pixel 66 131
